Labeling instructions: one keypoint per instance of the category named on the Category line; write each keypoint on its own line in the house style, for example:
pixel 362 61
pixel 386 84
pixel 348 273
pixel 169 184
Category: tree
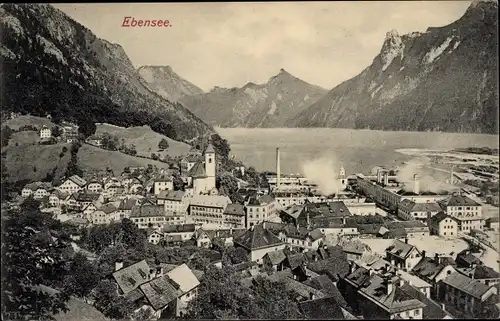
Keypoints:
pixel 236 255
pixel 6 135
pixel 83 276
pixel 163 144
pixel 108 301
pixel 56 131
pixel 31 257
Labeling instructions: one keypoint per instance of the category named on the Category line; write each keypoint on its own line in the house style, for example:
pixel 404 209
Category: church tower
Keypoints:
pixel 342 178
pixel 210 166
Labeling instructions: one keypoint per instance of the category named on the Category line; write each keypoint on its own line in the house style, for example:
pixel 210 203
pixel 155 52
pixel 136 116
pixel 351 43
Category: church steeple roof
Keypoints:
pixel 210 149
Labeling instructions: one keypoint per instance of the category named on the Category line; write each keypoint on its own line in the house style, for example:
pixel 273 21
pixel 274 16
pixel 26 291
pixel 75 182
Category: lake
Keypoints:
pixel 356 150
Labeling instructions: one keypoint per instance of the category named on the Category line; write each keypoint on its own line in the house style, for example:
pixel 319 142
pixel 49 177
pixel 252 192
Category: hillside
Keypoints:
pixel 442 80
pixel 25 120
pixel 264 105
pixel 92 158
pixel 53 65
pixel 145 140
pixel 164 81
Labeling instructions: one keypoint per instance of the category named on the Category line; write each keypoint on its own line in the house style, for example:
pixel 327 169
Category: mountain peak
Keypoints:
pixel 393 34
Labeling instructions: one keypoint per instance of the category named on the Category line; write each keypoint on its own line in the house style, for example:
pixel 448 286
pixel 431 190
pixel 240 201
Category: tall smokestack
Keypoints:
pixel 379 175
pixel 416 184
pixel 278 170
pixel 386 178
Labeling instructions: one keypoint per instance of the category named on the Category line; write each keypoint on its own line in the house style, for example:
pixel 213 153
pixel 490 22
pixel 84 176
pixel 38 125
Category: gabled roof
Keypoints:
pixel 184 228
pixel 132 276
pixel 108 208
pixel 198 170
pixel 428 268
pixel 479 272
pixel 147 210
pixel 78 180
pixel 459 200
pixel 171 195
pixel 256 200
pixel 257 238
pixel 432 309
pixel 436 219
pixel 210 200
pixel 472 287
pixel 127 204
pixel 161 291
pixel 235 209
pixel 406 225
pixel 324 308
pixel 466 259
pixel 184 276
pixel 400 249
pixel 325 285
pixel 86 196
pixel 210 149
pixel 276 257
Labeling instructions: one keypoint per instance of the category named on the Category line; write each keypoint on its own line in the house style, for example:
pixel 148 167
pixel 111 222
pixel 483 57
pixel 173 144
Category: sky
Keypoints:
pixel 231 44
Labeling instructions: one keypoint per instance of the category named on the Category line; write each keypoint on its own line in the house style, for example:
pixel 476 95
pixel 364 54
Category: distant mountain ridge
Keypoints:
pixel 164 81
pixel 442 80
pixel 255 105
pixel 54 65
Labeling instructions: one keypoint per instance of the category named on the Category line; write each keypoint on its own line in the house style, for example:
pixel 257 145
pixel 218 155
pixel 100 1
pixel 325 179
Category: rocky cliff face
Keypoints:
pixel 53 65
pixel 442 80
pixel 164 81
pixel 265 105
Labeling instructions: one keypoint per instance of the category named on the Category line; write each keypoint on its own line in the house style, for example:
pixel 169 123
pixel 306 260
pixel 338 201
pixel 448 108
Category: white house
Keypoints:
pixel 45 132
pixel 257 242
pixel 72 184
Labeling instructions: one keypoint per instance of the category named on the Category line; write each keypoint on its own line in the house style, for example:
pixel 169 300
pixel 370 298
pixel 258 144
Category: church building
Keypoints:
pixel 201 176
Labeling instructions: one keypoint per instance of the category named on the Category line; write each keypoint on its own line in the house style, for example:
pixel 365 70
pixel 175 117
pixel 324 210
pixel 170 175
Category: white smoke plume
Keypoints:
pixel 427 182
pixel 324 172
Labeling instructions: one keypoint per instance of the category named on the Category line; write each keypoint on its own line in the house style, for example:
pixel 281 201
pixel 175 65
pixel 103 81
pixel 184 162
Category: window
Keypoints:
pixel 416 312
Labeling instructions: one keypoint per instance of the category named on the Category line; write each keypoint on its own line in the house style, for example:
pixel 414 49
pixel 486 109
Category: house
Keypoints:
pixel 308 213
pixel 303 239
pixel 105 214
pixel 94 186
pixel 94 140
pixel 379 296
pixel 81 199
pixel 208 209
pixel 45 132
pixel 72 184
pixel 70 133
pixel 174 201
pixel 258 241
pixel 432 310
pixel 467 211
pixel 467 259
pixel 481 273
pixel 163 183
pixel 330 260
pixel 324 284
pixel 259 208
pixel 303 291
pixel 188 162
pixel 433 270
pixel 125 207
pixel 234 216
pixel 57 198
pixel 147 215
pixel 89 209
pixel 492 223
pixel 29 189
pixel 188 286
pixel 175 234
pixel 409 210
pixel 471 298
pixel 354 249
pixel 443 225
pixel 403 255
pixel 202 238
pixel 349 229
pixel 154 237
pixel 412 228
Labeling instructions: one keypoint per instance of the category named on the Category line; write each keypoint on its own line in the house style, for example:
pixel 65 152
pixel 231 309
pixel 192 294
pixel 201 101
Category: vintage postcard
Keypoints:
pixel 250 160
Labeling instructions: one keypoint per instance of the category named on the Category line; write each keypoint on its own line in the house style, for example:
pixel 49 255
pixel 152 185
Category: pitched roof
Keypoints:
pixel 86 196
pixel 428 268
pixel 184 276
pixel 160 291
pixel 406 225
pixel 465 259
pixel 180 228
pixel 436 219
pixel 293 211
pixel 295 260
pixel 198 170
pixel 210 200
pixel 323 308
pixel 235 209
pixel 276 257
pixel 132 276
pixel 210 149
pixel 147 210
pixel 426 207
pixel 400 249
pixel 256 200
pixel 467 285
pixel 257 238
pixel 127 204
pixel 459 200
pixel 108 208
pixel 480 272
pixel 326 285
pixel 171 195
pixel 78 180
pixel 432 309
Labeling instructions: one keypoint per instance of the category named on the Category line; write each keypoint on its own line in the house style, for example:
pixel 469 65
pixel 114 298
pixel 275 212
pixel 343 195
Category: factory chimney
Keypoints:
pixel 379 175
pixel 416 184
pixel 278 170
